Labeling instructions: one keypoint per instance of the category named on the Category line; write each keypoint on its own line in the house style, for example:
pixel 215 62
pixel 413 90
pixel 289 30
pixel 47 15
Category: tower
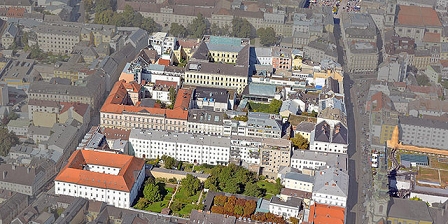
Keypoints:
pixel 391 11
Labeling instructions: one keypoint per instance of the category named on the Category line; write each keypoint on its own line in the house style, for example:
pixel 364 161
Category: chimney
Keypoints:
pixel 28 169
pixel 13 167
pixel 4 175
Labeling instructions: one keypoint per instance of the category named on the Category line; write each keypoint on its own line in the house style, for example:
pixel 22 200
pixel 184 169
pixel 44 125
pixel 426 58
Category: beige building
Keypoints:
pixel 415 21
pixel 58 38
pixel 9 35
pixel 273 154
pixel 362 56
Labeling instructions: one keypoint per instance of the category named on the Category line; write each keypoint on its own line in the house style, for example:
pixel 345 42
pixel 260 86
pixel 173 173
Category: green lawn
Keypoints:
pixel 157 206
pixel 186 210
pixel 270 188
pixel 182 197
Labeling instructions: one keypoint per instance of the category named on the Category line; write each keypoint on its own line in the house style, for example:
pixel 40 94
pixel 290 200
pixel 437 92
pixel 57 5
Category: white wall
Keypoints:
pixel 298 185
pixel 284 211
pixel 330 199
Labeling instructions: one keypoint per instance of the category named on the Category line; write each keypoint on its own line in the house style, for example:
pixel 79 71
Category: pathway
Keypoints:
pixel 172 196
pixel 200 196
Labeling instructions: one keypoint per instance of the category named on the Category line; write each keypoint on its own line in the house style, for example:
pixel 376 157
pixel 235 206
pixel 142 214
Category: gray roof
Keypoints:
pixel 218 94
pixel 290 105
pixel 263 52
pixel 340 134
pixel 414 158
pixel 322 132
pixel 336 160
pixel 204 217
pixel 16 3
pixel 358 25
pixel 20 174
pixel 299 177
pixel 186 138
pixel 21 149
pixel 62 135
pixel 201 53
pixel 205 116
pixel 409 209
pixel 305 126
pixel 11 30
pixel 218 68
pixel 420 122
pixel 331 181
pixel 58 29
pixel 258 89
pixel 291 202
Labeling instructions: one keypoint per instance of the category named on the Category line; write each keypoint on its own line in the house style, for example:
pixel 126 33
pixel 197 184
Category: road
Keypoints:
pixel 356 91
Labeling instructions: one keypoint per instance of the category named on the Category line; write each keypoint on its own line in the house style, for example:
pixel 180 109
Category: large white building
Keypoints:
pixel 298 181
pixel 245 149
pixel 331 187
pixel 285 208
pixel 112 178
pixel 314 160
pixel 193 148
pixel 329 138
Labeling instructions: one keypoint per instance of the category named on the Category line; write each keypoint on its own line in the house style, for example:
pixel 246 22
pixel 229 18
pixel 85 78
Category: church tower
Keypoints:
pixel 391 11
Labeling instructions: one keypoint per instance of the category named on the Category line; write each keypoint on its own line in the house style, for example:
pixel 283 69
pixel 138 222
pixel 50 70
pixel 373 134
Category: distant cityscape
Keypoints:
pixel 224 111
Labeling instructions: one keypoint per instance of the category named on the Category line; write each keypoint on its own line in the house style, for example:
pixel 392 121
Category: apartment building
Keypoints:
pixel 329 138
pixel 192 148
pixel 285 208
pixel 25 180
pixel 225 49
pixel 274 153
pixel 25 4
pixel 298 181
pixel 331 187
pixel 245 149
pixel 321 49
pixel 205 122
pixel 259 125
pixel 161 42
pixel 100 33
pixel 358 27
pixel 19 73
pixel 313 160
pixel 115 179
pixel 121 111
pixel 202 72
pixel 362 56
pixel 9 35
pixel 304 129
pixel 423 132
pixel 216 99
pixel 57 38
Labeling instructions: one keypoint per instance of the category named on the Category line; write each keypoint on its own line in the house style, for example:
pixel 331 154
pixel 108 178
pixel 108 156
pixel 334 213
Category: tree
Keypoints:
pixel 7 140
pixel 267 36
pixel 238 210
pixel 274 106
pixel 219 200
pixel 191 184
pixel 278 186
pixel 240 118
pixel 168 161
pixel 218 209
pixel 249 207
pixel 300 142
pixel 24 39
pixel 178 30
pixel 152 193
pixel 141 203
pixel 106 17
pixel 252 189
pixel 149 25
pixel 197 27
pixel 233 186
pixel 172 94
pixel 102 5
pixel 88 5
pixel 422 80
pixel 219 31
pixel 176 206
pixel 294 220
pixel 241 28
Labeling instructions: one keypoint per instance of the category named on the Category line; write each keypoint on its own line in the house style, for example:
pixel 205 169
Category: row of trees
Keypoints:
pixel 233 206
pixel 127 18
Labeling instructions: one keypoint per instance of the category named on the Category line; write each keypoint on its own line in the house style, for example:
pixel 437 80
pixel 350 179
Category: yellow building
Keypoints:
pixel 225 49
pixel 333 74
pixel 304 129
pixel 68 70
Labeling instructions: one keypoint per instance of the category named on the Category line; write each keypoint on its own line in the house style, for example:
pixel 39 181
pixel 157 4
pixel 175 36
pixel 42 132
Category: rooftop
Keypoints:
pixel 73 172
pixel 305 126
pixel 418 16
pixel 409 210
pixel 320 213
pixel 331 159
pixel 420 122
pixel 291 202
pixel 331 181
pixel 299 177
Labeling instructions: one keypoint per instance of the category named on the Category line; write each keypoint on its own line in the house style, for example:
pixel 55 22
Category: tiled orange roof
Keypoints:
pixel 15 12
pixel 324 214
pixel 166 83
pixel 418 16
pixel 188 43
pixel 80 108
pixel 379 101
pixel 132 86
pixel 73 172
pixel 117 101
pixel 165 62
pixel 115 133
pixel 431 37
pixel 399 84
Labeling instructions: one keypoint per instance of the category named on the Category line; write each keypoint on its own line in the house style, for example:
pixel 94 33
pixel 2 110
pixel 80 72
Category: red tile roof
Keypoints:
pixel 80 108
pixel 324 214
pixel 165 62
pixel 73 172
pixel 431 37
pixel 418 16
pixel 15 12
pixel 378 102
pixel 117 102
pixel 115 133
pixel 166 83
pixel 188 43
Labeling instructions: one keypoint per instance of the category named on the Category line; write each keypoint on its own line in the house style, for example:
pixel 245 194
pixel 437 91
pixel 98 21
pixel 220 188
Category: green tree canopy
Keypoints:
pixel 102 5
pixel 422 80
pixel 241 28
pixel 178 30
pixel 300 142
pixel 152 193
pixel 197 27
pixel 267 36
pixel 220 31
pixel 252 189
pixel 7 140
pixel 150 25
pixel 191 184
pixel 105 17
pixel 168 161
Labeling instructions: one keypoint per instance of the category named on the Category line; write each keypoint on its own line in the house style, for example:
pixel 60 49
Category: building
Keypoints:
pixel 24 180
pixel 399 211
pixel 260 125
pixel 320 49
pixel 329 138
pixel 205 122
pixel 200 71
pixel 245 149
pixel 415 22
pixel 19 127
pixel 162 91
pixel 192 148
pixel 298 181
pixel 12 207
pixel 49 37
pixel 320 213
pixel 274 153
pixel 161 42
pixel 423 132
pixel 331 187
pixel 216 99
pixel 393 69
pixel 122 109
pixel 19 73
pixel 25 4
pixel 411 160
pixel 9 35
pixel 288 208
pixel 313 160
pixel 362 56
pixel 260 92
pixel 291 107
pixel 112 178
